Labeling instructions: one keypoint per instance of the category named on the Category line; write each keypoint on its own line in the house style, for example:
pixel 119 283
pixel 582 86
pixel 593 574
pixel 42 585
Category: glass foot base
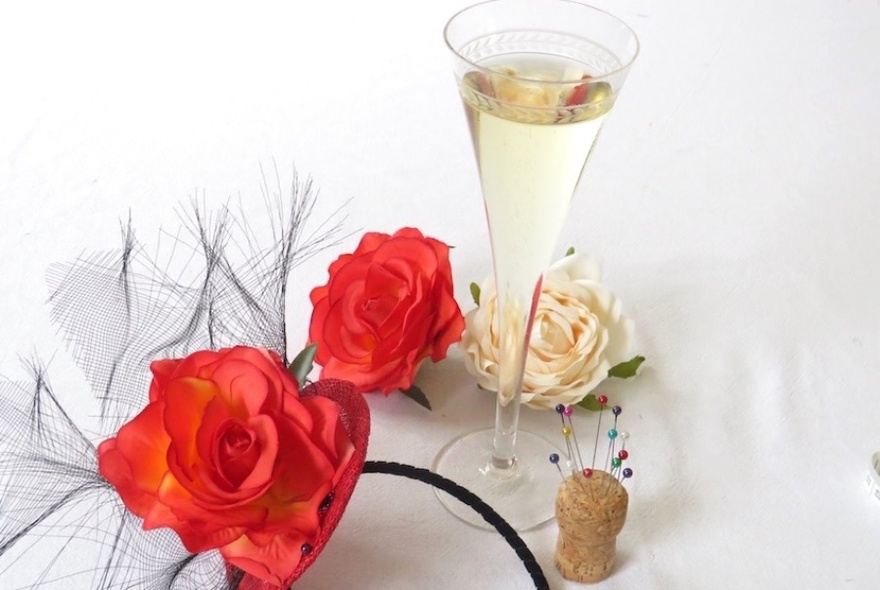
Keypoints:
pixel 524 494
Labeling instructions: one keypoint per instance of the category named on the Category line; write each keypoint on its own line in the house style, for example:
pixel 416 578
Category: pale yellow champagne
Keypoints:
pixel 532 136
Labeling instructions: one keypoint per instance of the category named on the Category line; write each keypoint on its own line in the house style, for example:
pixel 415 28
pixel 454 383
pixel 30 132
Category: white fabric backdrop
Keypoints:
pixel 733 201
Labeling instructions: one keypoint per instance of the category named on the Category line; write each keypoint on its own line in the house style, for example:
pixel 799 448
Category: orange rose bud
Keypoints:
pixel 386 307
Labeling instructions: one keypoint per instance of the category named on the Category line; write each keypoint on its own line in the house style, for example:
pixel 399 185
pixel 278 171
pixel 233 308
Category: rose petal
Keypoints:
pixel 370 241
pixel 316 329
pixel 200 528
pixel 274 370
pixel 419 255
pixel 328 434
pixel 262 471
pixel 244 387
pixel 449 323
pixel 213 485
pixel 574 267
pixel 341 261
pixel 273 562
pixel 380 306
pixel 193 364
pixel 346 339
pixel 256 360
pixel 186 400
pixel 134 461
pixel 162 372
pixel 237 449
pixel 348 282
pixel 304 479
pixel 412 337
pixel 209 482
pixel 318 294
pixel 366 377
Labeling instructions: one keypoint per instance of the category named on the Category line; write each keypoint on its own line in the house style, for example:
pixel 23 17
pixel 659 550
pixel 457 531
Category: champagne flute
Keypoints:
pixel 537 79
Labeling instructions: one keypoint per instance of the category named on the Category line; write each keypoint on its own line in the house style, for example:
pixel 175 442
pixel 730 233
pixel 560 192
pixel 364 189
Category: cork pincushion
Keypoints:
pixel 590 513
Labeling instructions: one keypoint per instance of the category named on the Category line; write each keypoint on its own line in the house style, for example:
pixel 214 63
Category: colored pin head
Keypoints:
pixel 614 458
pixel 627 473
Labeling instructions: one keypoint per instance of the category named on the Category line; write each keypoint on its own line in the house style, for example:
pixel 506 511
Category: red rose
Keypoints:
pixel 229 455
pixel 385 308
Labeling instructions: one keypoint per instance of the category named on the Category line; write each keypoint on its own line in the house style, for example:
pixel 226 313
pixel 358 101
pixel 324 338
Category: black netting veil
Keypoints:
pixel 213 283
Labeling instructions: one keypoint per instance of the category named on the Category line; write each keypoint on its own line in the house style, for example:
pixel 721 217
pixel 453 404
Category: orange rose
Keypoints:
pixel 230 456
pixel 385 308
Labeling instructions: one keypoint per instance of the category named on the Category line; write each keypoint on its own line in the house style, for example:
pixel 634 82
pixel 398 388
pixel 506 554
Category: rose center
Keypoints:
pixel 375 310
pixel 237 452
pixel 236 441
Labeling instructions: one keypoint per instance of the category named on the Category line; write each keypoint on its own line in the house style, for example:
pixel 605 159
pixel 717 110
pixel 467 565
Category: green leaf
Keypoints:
pixel 302 365
pixel 475 293
pixel 626 369
pixel 590 403
pixel 417 395
pixel 570 251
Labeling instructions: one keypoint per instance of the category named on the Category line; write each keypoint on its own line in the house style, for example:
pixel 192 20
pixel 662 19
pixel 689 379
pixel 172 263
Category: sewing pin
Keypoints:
pixel 612 435
pixel 554 458
pixel 602 399
pixel 566 433
pixel 569 410
pixel 624 436
pixel 616 410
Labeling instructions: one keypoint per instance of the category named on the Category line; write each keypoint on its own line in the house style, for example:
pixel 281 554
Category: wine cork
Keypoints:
pixel 590 513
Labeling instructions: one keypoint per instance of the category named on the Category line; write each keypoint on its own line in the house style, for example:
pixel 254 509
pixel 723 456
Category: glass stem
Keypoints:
pixel 514 316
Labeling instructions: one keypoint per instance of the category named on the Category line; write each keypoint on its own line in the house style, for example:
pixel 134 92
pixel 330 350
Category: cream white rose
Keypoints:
pixel 578 334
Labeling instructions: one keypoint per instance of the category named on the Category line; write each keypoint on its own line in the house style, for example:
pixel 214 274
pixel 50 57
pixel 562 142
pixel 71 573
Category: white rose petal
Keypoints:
pixel 579 332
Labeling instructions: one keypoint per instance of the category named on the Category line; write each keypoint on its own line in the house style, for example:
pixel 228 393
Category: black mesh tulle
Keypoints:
pixel 213 283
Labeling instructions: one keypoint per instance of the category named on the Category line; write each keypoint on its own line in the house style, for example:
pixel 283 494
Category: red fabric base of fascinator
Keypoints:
pixel 355 415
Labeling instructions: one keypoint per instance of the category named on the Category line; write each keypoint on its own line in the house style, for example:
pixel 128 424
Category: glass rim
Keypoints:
pixel 623 67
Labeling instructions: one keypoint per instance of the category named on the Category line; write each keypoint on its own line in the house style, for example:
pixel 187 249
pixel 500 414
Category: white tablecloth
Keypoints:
pixel 732 200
